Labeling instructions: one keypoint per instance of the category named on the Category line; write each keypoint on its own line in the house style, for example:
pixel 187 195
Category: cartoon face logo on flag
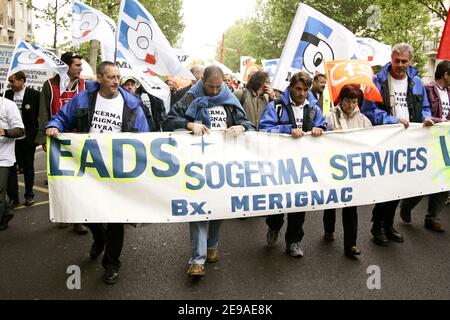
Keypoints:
pixel 313 51
pixel 26 57
pixel 313 40
pixel 342 72
pixel 140 39
pixel 91 24
pixel 83 21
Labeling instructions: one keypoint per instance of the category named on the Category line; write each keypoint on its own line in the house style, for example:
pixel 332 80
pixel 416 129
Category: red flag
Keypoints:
pixel 444 47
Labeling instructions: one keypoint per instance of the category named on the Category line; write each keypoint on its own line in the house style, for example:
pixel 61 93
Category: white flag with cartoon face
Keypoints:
pixel 313 40
pixel 91 24
pixel 27 56
pixel 142 42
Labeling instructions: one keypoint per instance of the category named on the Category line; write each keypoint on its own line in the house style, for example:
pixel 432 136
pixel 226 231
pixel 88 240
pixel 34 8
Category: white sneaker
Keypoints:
pixel 294 249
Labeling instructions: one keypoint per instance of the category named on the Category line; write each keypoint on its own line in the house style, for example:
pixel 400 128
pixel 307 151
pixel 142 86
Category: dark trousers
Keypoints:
pixel 112 235
pixel 294 231
pixel 25 158
pixel 349 221
pixel 384 212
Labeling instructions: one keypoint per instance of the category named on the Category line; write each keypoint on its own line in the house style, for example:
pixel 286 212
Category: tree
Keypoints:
pixel 437 7
pixel 53 13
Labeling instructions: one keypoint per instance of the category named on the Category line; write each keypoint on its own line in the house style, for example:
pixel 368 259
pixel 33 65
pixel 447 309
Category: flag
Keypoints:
pixel 27 56
pixel 313 39
pixel 247 62
pixel 372 51
pixel 270 66
pixel 91 24
pixel 142 42
pixel 444 47
pixel 151 83
pixel 342 72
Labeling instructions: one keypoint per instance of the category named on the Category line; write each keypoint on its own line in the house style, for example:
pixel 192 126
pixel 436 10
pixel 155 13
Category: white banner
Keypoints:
pixel 178 177
pixel 313 40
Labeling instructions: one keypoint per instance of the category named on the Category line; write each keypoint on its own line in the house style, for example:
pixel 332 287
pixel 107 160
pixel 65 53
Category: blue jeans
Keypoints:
pixel 436 202
pixel 204 236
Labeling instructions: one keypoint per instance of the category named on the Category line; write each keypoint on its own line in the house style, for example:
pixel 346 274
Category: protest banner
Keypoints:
pixel 179 177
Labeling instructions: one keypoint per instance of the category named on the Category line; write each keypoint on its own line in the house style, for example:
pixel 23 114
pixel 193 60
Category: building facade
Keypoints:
pixel 15 21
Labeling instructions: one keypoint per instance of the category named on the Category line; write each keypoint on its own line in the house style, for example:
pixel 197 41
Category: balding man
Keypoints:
pixel 197 70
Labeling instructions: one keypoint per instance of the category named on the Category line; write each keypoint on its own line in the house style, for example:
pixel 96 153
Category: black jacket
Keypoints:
pixel 30 112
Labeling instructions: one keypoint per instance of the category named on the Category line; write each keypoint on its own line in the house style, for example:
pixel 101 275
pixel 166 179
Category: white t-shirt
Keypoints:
pixel 445 103
pixel 399 91
pixel 18 98
pixel 107 115
pixel 9 118
pixel 218 118
pixel 298 113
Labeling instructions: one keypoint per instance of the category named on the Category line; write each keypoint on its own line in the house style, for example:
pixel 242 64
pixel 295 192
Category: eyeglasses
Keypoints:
pixel 347 102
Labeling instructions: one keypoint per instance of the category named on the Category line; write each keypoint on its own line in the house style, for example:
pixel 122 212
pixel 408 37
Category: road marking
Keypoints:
pixel 34 205
pixel 35 187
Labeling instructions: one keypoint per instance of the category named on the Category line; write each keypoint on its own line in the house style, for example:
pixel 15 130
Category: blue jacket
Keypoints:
pixel 77 114
pixel 278 116
pixel 380 113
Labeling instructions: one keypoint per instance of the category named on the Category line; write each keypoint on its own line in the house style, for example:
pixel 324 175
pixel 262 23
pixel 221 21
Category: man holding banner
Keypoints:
pixel 404 101
pixel 208 105
pixel 103 108
pixel 438 92
pixel 293 114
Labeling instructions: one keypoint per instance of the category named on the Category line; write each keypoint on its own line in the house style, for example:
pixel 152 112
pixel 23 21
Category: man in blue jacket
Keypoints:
pixel 292 114
pixel 103 108
pixel 405 101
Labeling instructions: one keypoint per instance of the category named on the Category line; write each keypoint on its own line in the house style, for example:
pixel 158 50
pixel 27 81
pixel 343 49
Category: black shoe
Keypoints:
pixel 351 252
pixel 329 236
pixel 96 250
pixel 379 235
pixel 111 276
pixel 13 203
pixel 29 202
pixel 394 235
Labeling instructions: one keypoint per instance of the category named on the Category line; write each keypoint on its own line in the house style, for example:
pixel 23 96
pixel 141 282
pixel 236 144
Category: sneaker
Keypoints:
pixel 352 252
pixel 294 249
pixel 329 236
pixel 272 237
pixel 434 226
pixel 29 202
pixel 79 228
pixel 212 255
pixel 96 250
pixel 111 276
pixel 405 214
pixel 196 270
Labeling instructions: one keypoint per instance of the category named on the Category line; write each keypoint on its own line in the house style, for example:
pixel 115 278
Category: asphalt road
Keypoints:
pixel 35 255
